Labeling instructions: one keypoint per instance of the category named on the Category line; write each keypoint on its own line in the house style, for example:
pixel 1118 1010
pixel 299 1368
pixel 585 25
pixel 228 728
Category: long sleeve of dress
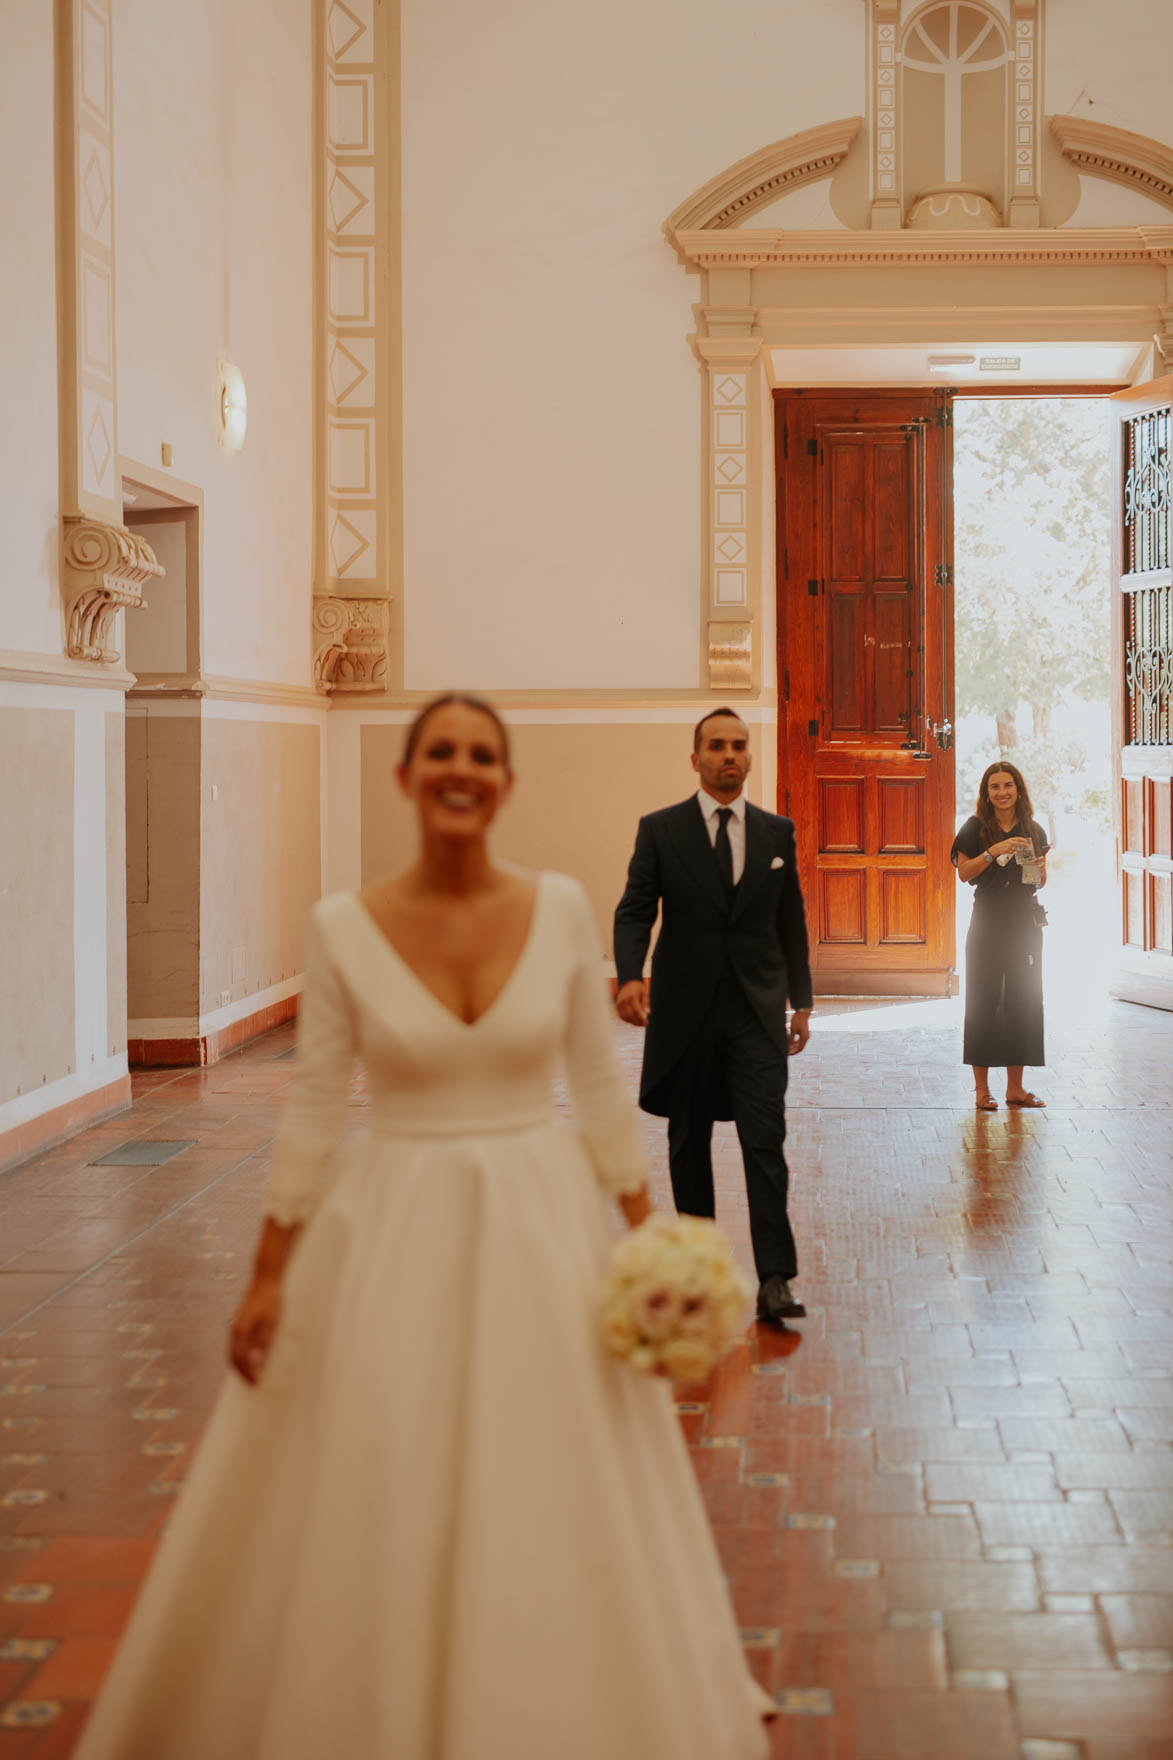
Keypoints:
pixel 604 1112
pixel 315 1115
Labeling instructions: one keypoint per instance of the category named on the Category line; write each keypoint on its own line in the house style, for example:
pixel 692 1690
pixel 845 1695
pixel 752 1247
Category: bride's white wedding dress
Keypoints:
pixel 446 1525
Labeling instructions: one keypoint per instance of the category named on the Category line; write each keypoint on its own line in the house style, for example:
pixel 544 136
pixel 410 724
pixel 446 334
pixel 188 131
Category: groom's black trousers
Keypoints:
pixel 733 1067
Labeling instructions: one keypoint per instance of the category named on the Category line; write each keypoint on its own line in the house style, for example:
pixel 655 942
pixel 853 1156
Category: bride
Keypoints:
pixel 431 1518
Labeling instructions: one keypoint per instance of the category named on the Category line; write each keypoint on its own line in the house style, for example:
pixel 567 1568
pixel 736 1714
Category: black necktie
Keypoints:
pixel 723 846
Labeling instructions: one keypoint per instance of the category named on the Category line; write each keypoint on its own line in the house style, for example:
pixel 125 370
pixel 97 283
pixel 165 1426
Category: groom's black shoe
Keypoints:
pixel 775 1302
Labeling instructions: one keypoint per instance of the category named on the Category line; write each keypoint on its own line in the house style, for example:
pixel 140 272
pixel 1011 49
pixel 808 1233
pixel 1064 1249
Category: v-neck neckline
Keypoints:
pixel 502 993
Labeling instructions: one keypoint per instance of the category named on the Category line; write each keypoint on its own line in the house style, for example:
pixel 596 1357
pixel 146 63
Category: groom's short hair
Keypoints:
pixel 698 731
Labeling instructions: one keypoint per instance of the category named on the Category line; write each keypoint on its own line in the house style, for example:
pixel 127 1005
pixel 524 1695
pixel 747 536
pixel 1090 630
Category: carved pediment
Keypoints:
pixel 105 568
pixel 759 179
pixel 1134 160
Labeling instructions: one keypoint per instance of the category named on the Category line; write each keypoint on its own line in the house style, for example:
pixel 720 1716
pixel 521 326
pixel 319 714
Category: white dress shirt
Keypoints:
pixel 710 808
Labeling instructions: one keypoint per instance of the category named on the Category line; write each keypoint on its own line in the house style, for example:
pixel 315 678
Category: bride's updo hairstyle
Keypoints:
pixel 469 701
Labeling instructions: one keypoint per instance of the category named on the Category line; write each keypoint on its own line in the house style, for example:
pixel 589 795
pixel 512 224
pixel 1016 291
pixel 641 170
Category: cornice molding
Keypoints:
pixel 249 690
pixel 21 668
pixel 1134 160
pixel 104 570
pixel 1005 247
pixel 165 688
pixel 762 177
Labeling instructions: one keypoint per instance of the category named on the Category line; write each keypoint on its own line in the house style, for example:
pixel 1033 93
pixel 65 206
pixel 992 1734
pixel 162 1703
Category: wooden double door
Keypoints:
pixel 865 673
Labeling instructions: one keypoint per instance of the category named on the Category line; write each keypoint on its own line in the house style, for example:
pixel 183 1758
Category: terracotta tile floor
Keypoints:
pixel 944 1501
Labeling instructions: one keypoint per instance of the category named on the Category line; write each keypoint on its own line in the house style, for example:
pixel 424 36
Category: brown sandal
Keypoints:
pixel 985 1101
pixel 1029 1100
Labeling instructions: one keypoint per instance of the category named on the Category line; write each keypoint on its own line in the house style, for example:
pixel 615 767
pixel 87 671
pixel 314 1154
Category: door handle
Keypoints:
pixel 943 734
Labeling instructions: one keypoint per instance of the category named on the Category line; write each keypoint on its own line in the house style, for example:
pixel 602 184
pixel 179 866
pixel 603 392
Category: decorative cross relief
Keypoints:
pixel 954 65
pixel 350 644
pixel 105 570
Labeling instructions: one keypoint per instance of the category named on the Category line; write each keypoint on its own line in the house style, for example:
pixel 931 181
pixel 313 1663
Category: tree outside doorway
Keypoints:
pixel 1033 658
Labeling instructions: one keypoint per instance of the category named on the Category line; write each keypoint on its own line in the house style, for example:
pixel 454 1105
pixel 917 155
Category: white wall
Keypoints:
pixel 552 405
pixel 1117 56
pixel 213 119
pixel 30 609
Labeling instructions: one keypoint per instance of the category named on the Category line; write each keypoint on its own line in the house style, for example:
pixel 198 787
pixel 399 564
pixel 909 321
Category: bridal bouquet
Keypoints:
pixel 674 1299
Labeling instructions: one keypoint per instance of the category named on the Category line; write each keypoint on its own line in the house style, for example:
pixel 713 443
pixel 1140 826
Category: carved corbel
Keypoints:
pixel 350 644
pixel 730 656
pixel 105 570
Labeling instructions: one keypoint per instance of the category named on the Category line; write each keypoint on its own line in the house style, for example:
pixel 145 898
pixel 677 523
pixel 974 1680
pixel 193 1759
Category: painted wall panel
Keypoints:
pixel 115 884
pixel 37 1039
pixel 261 854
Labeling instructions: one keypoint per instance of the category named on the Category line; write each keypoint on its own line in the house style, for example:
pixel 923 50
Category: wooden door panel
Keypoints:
pixel 1160 913
pixel 901 802
pixel 847 468
pixel 842 918
pixel 841 815
pixel 1134 814
pixel 1160 821
pixel 1134 909
pixel 902 907
pixel 892 505
pixel 864 615
pixel 846 678
pixel 1142 686
pixel 890 662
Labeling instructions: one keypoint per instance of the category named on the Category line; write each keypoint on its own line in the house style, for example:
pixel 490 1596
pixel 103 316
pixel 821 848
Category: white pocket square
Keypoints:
pixel 777 862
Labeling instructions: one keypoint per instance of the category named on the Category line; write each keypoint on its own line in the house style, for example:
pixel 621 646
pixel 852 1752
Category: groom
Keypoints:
pixel 732 948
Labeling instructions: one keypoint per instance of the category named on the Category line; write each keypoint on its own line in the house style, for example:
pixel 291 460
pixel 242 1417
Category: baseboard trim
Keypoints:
pixel 903 984
pixel 199 1050
pixel 60 1122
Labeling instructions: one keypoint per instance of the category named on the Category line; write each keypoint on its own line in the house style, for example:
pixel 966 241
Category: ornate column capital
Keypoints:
pixel 350 644
pixel 105 570
pixel 730 657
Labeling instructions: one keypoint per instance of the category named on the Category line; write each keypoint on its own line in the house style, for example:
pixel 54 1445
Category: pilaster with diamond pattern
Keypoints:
pixel 731 372
pixel 352 548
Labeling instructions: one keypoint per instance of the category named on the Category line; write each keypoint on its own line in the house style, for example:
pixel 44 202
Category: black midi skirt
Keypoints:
pixel 1003 984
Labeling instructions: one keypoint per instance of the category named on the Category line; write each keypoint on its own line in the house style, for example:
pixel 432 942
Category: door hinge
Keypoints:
pixel 812 447
pixel 812 588
pixel 788 803
pixel 786 684
pixel 944 415
pixel 943 574
pixel 812 728
pixel 785 440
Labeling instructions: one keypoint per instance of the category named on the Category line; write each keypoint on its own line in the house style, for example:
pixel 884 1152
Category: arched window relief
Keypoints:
pixel 955 100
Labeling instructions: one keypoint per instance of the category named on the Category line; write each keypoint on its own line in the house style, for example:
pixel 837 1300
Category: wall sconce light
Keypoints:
pixel 233 406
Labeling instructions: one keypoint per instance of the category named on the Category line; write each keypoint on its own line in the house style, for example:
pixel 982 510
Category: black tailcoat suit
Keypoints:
pixel 725 964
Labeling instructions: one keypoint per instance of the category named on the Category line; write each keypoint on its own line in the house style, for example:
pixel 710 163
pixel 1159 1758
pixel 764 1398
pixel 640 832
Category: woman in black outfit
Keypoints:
pixel 1002 853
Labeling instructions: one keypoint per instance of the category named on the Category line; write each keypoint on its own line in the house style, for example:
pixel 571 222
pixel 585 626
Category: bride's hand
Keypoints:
pixel 254 1328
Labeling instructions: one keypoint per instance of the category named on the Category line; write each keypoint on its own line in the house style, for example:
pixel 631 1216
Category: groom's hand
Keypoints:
pixel 800 1030
pixel 633 1002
